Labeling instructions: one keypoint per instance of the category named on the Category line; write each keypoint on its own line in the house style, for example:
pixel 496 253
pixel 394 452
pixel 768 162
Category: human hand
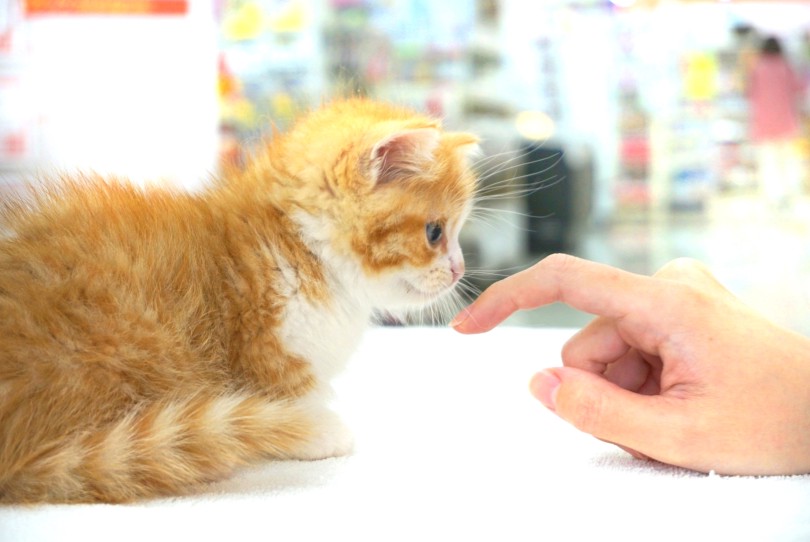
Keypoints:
pixel 674 367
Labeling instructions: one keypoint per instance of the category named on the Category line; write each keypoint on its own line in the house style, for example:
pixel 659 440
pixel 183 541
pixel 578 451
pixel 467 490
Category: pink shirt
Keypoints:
pixel 774 90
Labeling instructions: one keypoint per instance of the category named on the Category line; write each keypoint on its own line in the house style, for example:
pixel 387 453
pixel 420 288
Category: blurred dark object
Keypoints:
pixel 559 198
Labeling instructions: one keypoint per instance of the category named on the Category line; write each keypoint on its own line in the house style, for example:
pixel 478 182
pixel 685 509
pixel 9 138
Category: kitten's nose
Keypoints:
pixel 457 268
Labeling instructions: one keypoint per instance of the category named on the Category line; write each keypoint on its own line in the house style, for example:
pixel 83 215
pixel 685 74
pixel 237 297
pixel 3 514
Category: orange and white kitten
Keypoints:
pixel 152 340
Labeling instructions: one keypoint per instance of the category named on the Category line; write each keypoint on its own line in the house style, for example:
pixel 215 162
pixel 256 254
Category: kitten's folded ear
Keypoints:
pixel 402 154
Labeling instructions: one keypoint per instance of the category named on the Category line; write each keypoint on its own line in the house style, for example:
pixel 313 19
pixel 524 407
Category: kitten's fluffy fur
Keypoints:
pixel 152 340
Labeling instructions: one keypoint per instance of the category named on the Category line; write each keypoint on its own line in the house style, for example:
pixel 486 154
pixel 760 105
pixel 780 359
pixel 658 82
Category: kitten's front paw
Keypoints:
pixel 331 438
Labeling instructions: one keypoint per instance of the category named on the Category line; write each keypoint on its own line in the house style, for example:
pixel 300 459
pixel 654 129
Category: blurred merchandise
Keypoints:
pixel 643 101
pixel 270 66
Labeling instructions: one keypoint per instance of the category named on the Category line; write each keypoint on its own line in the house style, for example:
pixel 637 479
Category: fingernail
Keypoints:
pixel 460 318
pixel 544 387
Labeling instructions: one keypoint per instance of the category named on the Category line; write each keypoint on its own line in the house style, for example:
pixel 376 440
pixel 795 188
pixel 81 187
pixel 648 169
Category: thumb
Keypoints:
pixel 601 408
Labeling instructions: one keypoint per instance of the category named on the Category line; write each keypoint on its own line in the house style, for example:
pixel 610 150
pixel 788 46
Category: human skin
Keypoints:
pixel 673 367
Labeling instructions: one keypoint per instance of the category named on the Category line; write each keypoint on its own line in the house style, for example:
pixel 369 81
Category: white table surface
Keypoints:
pixel 449 446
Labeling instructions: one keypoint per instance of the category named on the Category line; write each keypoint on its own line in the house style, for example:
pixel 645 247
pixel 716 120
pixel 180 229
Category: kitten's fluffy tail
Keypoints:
pixel 160 449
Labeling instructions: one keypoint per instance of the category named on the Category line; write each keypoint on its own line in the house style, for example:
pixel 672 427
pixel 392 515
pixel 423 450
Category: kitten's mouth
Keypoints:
pixel 424 295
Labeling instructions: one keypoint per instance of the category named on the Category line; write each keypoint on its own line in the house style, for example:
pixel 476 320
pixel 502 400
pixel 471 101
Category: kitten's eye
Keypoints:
pixel 433 231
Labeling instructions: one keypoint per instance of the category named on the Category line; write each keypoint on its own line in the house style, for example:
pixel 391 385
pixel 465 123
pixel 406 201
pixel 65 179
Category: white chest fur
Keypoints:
pixel 324 335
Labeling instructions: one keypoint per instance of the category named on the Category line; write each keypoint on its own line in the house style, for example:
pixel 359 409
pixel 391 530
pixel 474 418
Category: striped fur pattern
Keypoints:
pixel 153 340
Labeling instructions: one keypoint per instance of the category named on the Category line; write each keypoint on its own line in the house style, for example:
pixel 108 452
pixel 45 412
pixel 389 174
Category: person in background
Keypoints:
pixel 775 92
pixel 674 367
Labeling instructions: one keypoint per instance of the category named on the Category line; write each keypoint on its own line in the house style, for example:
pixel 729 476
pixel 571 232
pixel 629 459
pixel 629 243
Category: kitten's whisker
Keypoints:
pixel 488 161
pixel 491 221
pixel 498 213
pixel 518 193
pixel 483 177
pixel 511 181
pixel 496 217
pixel 510 270
pixel 505 165
pixel 485 187
pixel 488 275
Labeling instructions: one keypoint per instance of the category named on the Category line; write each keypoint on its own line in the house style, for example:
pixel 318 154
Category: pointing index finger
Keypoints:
pixel 587 286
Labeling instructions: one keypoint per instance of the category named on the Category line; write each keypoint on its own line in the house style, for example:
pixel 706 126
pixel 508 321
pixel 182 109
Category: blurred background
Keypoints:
pixel 624 131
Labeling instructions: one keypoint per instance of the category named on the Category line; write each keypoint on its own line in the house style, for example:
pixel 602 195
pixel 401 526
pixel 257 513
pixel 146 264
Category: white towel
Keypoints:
pixel 449 446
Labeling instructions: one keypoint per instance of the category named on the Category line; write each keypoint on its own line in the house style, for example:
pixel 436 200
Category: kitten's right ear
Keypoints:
pixel 402 154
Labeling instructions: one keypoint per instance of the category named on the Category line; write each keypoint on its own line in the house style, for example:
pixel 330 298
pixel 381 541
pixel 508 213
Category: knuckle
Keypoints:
pixel 589 345
pixel 557 267
pixel 569 351
pixel 693 296
pixel 576 349
pixel 680 264
pixel 684 269
pixel 560 262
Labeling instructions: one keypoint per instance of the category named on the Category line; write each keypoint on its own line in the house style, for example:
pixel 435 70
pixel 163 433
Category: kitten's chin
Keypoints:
pixel 416 296
pixel 401 294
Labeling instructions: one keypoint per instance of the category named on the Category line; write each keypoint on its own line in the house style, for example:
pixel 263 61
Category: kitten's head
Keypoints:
pixel 386 191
